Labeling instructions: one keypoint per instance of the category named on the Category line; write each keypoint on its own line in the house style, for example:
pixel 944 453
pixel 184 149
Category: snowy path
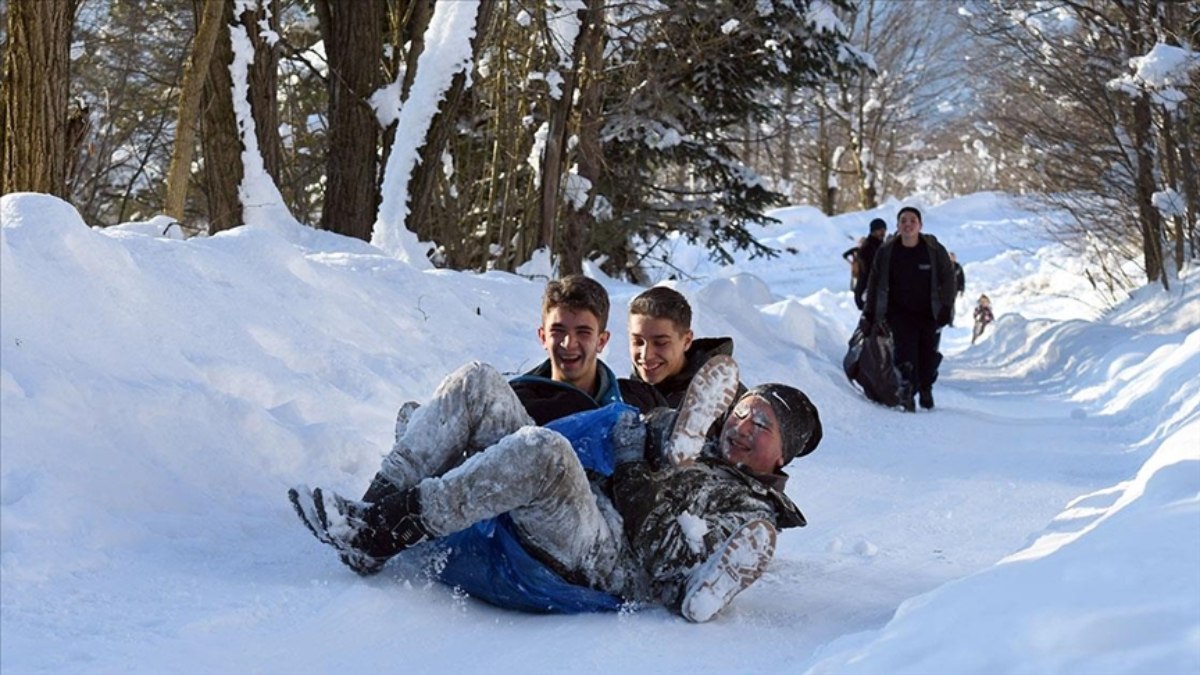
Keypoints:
pixel 897 507
pixel 160 396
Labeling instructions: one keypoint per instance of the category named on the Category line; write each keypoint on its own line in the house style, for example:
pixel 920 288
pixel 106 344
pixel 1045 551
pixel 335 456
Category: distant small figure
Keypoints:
pixel 983 316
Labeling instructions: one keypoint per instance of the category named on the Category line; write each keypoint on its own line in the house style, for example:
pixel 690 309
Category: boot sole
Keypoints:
pixel 739 562
pixel 708 396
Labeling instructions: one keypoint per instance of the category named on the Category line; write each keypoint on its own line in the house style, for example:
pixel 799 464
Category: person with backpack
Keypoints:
pixel 542 522
pixel 912 288
pixel 866 258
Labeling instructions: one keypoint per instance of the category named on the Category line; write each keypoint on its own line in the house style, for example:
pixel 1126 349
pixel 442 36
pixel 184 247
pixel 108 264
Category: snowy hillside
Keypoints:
pixel 158 396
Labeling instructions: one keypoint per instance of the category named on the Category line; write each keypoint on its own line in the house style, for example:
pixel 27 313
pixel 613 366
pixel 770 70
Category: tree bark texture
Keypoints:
pixel 264 85
pixel 36 86
pixel 223 170
pixel 428 171
pixel 589 80
pixel 190 94
pixel 353 35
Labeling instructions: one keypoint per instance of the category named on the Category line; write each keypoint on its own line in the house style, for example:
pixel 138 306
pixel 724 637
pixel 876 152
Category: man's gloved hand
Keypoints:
pixel 629 438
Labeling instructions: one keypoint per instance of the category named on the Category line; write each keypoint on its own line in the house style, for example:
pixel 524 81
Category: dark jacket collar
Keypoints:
pixel 701 350
pixel 607 390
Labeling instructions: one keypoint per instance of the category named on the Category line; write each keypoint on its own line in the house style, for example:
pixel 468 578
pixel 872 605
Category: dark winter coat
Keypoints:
pixel 547 399
pixel 942 283
pixel 723 495
pixel 702 349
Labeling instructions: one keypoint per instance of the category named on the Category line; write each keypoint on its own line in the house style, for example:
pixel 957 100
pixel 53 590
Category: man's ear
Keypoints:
pixel 541 333
pixel 604 336
pixel 688 336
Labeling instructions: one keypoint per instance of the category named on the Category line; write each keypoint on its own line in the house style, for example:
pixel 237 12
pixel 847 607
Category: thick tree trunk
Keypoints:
pixel 1148 216
pixel 553 160
pixel 409 19
pixel 36 86
pixel 222 148
pixel 429 170
pixel 190 95
pixel 264 87
pixel 589 75
pixel 353 35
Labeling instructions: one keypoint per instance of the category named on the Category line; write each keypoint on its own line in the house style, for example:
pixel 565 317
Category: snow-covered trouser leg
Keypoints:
pixel 535 477
pixel 474 407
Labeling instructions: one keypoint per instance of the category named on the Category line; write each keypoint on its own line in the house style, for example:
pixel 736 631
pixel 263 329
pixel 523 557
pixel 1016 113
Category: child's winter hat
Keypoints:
pixel 799 423
pixel 878 224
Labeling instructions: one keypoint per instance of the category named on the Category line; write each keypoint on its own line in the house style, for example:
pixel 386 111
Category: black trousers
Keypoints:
pixel 916 342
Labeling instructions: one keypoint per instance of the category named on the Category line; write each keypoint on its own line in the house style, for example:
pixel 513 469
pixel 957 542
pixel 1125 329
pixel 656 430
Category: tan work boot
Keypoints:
pixel 739 562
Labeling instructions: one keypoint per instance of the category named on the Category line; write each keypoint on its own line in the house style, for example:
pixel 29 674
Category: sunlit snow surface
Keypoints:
pixel 159 395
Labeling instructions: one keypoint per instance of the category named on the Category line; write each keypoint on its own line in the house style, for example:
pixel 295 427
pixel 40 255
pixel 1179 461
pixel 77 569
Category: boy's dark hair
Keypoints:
pixel 911 209
pixel 577 293
pixel 662 302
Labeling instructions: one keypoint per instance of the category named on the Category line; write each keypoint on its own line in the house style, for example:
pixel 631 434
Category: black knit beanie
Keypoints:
pixel 799 423
pixel 878 224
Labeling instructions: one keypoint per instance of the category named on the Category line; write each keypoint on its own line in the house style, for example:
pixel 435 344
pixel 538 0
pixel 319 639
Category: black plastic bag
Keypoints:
pixel 871 362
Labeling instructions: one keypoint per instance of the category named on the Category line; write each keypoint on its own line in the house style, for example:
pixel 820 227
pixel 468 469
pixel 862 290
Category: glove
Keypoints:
pixel 629 438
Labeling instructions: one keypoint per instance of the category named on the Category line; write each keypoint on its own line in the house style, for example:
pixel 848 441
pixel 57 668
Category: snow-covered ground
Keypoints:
pixel 160 395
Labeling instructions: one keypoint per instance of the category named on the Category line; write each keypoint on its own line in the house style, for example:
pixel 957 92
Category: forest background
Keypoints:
pixel 598 129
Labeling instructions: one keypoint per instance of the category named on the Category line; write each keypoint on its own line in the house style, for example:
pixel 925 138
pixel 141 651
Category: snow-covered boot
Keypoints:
pixel 708 396
pixel 739 562
pixel 337 522
pixel 395 523
pixel 365 535
pixel 379 489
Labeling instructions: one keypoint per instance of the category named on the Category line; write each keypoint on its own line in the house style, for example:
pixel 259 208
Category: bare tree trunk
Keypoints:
pixel 264 86
pixel 1149 219
pixel 408 19
pixel 553 159
pixel 827 174
pixel 1191 181
pixel 189 107
pixel 36 86
pixel 222 148
pixel 353 34
pixel 589 74
pixel 429 170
